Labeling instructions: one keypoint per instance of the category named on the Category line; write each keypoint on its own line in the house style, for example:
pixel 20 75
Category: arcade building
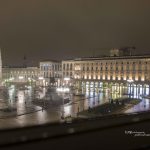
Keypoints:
pixel 120 72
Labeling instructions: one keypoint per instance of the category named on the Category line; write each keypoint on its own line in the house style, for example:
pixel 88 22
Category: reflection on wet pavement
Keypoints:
pixel 144 105
pixel 16 102
pixel 34 115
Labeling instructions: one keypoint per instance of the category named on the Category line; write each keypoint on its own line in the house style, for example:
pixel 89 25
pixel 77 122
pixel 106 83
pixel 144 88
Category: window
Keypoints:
pixel 111 77
pixel 122 78
pixel 67 66
pixel 101 76
pixel 64 66
pixel 140 67
pixel 83 68
pixel 127 66
pixel 70 66
pixel 96 76
pixel 146 67
pixel 134 66
pixel 121 68
pixel 116 68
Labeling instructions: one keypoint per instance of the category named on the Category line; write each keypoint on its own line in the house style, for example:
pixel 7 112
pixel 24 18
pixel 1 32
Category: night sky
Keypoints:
pixel 59 29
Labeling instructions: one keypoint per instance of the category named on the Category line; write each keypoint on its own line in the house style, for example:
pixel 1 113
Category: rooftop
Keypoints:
pixel 110 58
pixel 50 60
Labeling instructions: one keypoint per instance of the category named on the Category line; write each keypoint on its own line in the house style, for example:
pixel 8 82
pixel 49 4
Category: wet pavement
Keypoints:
pixel 144 105
pixel 28 114
pixel 16 102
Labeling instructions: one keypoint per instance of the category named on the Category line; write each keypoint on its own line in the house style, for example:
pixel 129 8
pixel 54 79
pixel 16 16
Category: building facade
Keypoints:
pixel 20 75
pixel 117 73
pixel 96 73
pixel 50 72
pixel 68 72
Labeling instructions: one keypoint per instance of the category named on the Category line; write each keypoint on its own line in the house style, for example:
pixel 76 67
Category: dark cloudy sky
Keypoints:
pixel 58 29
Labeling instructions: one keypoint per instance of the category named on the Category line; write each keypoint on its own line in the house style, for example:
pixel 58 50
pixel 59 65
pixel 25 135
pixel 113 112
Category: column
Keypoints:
pixel 142 89
pixel 136 90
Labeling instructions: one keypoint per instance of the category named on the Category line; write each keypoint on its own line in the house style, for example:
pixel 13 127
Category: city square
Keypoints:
pixel 75 74
pixel 55 91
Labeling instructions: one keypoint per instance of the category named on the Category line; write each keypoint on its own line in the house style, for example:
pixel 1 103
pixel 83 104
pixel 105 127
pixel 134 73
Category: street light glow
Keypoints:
pixel 11 79
pixel 63 89
pixel 130 81
pixel 21 77
pixel 66 79
pixel 41 78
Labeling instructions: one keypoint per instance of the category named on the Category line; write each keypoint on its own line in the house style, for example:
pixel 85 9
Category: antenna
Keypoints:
pixel 25 61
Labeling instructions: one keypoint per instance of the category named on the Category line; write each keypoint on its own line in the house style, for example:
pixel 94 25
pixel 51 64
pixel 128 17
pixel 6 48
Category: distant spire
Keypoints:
pixel 24 57
pixel 24 61
pixel 0 65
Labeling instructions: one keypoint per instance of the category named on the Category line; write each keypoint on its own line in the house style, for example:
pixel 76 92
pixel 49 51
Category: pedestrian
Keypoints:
pixel 89 108
pixel 62 117
pixel 117 102
pixel 109 100
pixel 78 109
pixel 94 102
pixel 112 101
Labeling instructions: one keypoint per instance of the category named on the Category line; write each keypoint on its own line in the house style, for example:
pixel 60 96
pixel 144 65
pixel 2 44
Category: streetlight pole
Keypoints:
pixel 62 117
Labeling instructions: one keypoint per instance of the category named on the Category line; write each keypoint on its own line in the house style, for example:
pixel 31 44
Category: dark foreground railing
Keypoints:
pixel 108 132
